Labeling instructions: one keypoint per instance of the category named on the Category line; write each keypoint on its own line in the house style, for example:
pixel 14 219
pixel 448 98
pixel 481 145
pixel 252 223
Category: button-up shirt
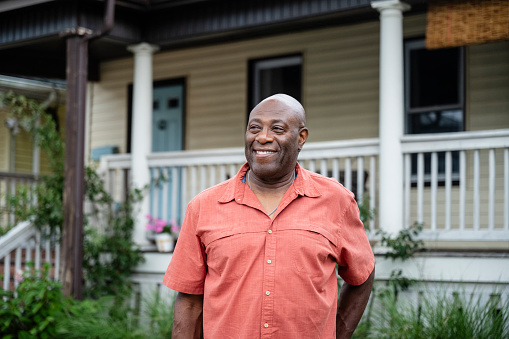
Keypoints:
pixel 264 278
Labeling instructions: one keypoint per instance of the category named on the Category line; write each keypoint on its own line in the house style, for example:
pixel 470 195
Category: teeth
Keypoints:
pixel 264 152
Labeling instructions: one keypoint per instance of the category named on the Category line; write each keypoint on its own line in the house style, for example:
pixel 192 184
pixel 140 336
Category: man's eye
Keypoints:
pixel 254 128
pixel 278 129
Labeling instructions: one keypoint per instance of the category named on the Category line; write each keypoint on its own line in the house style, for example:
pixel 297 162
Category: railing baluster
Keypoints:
pixel 448 186
pixel 312 166
pixel 462 190
pixel 7 271
pixel 420 187
pixel 233 170
pixel 477 196
pixel 335 169
pixel 38 250
pixel 183 193
pixel 28 252
pixel 506 189
pixel 162 181
pixel 174 192
pixel 212 176
pixel 360 179
pixel 372 190
pixel 194 179
pixel 491 194
pixel 203 178
pixel 323 168
pixel 166 190
pixel 17 265
pixel 348 173
pixel 408 184
pixel 222 172
pixel 434 183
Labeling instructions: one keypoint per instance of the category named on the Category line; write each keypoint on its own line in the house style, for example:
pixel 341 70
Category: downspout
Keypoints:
pixel 77 76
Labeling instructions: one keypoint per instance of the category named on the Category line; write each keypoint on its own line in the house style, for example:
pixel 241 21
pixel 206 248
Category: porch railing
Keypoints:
pixel 457 184
pixel 24 244
pixel 9 185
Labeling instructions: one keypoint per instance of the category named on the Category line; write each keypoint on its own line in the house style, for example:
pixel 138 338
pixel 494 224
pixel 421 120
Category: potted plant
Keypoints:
pixel 165 233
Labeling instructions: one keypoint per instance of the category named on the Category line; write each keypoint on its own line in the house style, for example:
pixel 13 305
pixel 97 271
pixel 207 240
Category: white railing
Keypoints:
pixel 455 184
pixel 458 184
pixel 178 176
pixel 24 244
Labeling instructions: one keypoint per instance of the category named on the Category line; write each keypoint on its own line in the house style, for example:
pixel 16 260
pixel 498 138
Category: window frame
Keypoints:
pixel 258 64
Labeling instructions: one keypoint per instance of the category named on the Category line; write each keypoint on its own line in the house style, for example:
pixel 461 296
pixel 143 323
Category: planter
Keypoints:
pixel 164 242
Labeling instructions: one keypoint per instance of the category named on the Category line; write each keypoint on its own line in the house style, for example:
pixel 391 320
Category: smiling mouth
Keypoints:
pixel 265 152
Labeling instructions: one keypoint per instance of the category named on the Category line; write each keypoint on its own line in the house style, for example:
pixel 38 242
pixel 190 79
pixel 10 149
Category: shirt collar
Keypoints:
pixel 303 185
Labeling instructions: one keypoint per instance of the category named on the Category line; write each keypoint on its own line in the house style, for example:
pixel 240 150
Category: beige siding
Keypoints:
pixel 4 144
pixel 488 86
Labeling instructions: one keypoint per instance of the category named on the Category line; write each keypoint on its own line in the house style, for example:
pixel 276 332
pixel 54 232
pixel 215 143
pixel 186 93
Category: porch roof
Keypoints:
pixel 32 27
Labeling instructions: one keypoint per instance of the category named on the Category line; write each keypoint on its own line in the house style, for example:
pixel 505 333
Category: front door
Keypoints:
pixel 167 118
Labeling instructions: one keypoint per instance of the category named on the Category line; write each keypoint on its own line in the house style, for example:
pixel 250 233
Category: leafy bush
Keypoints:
pixel 34 309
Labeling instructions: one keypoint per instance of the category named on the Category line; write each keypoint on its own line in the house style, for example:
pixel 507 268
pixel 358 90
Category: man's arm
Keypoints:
pixel 188 316
pixel 352 302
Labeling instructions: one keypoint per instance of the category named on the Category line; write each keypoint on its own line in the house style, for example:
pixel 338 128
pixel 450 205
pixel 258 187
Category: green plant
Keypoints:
pixel 34 309
pixel 109 254
pixel 437 316
pixel 404 245
pixel 366 214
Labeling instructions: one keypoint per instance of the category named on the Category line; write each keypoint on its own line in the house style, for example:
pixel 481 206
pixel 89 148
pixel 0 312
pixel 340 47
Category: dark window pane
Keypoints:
pixel 285 80
pixel 173 103
pixel 155 104
pixel 434 77
pixel 435 122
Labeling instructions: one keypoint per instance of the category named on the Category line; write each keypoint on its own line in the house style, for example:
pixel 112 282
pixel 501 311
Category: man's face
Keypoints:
pixel 275 133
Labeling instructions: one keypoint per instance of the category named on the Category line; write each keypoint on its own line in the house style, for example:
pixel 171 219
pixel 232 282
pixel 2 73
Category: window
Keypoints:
pixel 274 75
pixel 434 97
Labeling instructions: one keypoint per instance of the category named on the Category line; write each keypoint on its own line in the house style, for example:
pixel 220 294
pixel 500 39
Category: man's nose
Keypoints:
pixel 264 136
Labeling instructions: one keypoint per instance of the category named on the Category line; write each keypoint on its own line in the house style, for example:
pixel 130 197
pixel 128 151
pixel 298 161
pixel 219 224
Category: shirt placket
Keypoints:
pixel 269 277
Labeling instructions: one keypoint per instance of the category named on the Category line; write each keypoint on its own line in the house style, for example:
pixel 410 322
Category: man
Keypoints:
pixel 257 253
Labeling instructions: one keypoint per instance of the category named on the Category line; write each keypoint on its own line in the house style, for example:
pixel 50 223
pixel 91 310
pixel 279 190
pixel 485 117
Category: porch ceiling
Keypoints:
pixel 31 46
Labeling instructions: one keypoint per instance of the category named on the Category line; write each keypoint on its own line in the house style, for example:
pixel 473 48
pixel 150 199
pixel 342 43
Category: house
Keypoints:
pixel 422 132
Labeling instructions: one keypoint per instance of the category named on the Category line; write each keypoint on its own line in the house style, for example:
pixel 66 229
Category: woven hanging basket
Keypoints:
pixel 454 23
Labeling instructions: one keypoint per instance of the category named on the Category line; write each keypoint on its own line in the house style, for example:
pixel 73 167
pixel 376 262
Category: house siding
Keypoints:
pixel 340 85
pixel 4 144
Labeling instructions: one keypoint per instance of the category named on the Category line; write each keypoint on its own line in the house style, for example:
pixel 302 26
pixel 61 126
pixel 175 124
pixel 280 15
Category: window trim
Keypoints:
pixel 417 43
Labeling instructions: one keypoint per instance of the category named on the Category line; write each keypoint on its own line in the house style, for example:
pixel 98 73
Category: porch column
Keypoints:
pixel 390 210
pixel 141 137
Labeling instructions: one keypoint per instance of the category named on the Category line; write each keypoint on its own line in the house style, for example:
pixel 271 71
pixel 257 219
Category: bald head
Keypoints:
pixel 280 102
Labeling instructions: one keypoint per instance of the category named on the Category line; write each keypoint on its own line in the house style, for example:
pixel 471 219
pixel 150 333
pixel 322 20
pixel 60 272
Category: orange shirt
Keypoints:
pixel 264 278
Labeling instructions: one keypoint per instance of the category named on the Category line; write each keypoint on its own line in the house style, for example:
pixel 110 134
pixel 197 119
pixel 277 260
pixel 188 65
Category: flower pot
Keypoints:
pixel 164 242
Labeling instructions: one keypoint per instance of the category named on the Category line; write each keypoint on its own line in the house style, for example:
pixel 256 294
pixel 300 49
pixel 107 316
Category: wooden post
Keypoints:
pixel 72 235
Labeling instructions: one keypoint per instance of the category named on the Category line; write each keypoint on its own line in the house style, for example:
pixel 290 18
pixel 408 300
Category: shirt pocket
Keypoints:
pixel 313 250
pixel 227 255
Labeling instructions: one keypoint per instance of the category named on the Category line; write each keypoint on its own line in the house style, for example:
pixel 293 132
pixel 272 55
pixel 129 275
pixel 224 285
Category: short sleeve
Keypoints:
pixel 187 269
pixel 356 260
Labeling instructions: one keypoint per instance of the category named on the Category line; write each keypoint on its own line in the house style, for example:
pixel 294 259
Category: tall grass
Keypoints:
pixel 111 319
pixel 437 316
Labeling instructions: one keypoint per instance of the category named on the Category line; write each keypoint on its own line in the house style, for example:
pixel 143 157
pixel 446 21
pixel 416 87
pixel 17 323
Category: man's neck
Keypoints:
pixel 264 187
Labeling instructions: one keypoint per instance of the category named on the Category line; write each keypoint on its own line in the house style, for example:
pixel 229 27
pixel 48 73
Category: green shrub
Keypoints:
pixel 438 316
pixel 34 309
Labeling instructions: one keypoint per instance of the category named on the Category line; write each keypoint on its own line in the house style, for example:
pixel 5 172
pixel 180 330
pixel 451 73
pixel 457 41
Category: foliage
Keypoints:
pixel 404 245
pixel 365 213
pixel 45 204
pixel 34 309
pixel 107 319
pixel 109 255
pixel 438 316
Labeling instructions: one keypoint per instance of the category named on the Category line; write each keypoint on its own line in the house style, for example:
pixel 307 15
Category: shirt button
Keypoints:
pixel 267 293
pixel 269 261
pixel 265 325
pixel 270 231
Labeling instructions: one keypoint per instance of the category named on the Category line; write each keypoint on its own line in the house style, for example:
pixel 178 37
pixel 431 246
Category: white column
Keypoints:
pixel 391 114
pixel 141 137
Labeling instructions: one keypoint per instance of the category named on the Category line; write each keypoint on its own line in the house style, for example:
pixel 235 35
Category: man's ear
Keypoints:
pixel 303 136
